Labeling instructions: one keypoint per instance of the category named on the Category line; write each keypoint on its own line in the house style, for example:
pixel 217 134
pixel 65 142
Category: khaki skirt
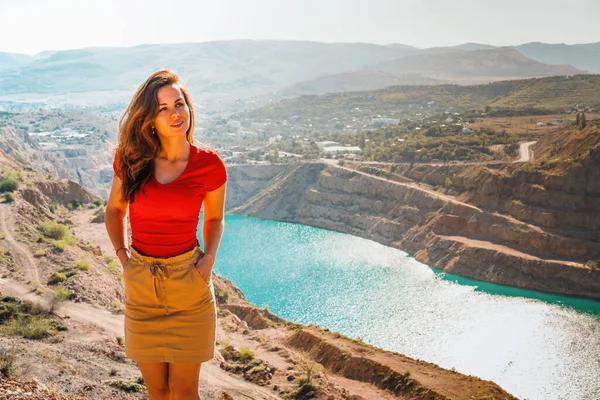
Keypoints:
pixel 170 311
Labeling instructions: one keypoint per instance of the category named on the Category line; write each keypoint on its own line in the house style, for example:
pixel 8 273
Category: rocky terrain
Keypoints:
pixel 61 329
pixel 89 166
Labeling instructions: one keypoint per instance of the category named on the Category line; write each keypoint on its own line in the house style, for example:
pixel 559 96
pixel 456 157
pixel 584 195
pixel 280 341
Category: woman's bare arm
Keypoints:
pixel 115 221
pixel 214 212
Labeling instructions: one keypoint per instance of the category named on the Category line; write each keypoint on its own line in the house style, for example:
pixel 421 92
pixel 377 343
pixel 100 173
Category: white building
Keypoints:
pixel 257 125
pixel 274 139
pixel 385 121
pixel 322 145
pixel 245 133
pixel 341 149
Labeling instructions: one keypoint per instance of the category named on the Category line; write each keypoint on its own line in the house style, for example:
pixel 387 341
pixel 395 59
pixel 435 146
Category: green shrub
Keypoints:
pixel 7 362
pixel 61 245
pixel 82 265
pixel 40 253
pixel 71 241
pixel 117 306
pixel 9 198
pixel 74 205
pixel 32 308
pixel 54 230
pixel 223 297
pixel 36 327
pixel 246 354
pixel 8 185
pixel 56 278
pixel 126 386
pixel 57 299
pixel 113 268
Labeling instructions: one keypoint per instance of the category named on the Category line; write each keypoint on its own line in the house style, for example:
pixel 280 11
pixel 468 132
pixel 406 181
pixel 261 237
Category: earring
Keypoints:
pixel 153 131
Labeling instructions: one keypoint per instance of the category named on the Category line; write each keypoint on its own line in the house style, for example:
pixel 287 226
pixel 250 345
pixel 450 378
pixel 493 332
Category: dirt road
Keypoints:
pixel 21 254
pixel 526 154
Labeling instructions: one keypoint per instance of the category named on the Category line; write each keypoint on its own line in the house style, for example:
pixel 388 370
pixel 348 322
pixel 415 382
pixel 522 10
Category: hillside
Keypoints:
pixel 582 56
pixel 417 102
pixel 462 67
pixel 13 60
pixel 569 146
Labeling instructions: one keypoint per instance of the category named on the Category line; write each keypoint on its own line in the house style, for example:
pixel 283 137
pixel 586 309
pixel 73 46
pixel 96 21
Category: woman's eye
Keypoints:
pixel 179 105
pixel 162 109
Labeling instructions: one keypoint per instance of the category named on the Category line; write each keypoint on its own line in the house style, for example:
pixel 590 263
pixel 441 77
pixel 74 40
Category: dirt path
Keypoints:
pixel 503 249
pixel 526 154
pixel 409 185
pixel 21 254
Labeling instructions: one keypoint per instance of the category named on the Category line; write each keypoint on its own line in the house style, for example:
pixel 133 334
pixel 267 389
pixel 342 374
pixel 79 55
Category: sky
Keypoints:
pixel 32 26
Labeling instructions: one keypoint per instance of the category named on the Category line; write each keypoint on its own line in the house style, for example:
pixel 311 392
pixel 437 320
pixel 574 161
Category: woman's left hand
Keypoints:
pixel 204 268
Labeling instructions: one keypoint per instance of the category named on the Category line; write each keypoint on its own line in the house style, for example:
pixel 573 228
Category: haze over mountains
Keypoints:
pixel 220 73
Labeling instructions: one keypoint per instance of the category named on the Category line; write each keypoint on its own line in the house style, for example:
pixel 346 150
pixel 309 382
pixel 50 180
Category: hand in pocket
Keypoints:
pixel 204 268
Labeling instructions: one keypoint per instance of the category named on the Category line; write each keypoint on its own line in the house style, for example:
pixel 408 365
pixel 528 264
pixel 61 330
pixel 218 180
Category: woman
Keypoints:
pixel 170 313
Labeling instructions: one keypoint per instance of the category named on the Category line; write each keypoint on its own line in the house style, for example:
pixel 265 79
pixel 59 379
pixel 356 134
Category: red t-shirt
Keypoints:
pixel 164 218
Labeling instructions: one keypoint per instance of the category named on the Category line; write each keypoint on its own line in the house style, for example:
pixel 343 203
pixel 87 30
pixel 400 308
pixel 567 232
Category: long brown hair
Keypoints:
pixel 138 145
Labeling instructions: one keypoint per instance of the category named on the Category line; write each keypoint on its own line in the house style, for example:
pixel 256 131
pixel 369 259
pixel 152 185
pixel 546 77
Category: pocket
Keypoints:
pixel 198 276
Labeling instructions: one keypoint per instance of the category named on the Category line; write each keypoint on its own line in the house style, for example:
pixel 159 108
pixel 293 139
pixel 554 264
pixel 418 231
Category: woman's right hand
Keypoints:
pixel 123 257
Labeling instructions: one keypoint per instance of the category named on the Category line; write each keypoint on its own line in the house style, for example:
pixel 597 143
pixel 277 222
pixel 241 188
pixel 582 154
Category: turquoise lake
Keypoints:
pixel 534 345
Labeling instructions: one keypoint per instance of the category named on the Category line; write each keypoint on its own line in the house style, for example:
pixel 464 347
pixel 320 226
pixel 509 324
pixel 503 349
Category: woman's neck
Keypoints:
pixel 175 149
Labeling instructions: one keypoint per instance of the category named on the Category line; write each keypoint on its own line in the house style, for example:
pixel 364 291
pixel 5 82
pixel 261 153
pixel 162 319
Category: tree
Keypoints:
pixel 361 140
pixel 578 120
pixel 582 122
pixel 448 184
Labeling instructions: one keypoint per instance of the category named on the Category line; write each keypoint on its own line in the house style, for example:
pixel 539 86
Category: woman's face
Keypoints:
pixel 173 118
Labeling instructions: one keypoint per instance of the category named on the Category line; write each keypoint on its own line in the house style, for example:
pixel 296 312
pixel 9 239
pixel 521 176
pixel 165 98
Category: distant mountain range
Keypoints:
pixel 456 66
pixel 221 73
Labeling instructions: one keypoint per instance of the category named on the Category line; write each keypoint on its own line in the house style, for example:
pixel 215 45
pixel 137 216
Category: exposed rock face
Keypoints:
pixel 88 165
pixel 245 181
pixel 65 191
pixel 249 314
pixel 15 142
pixel 98 216
pixel 34 196
pixel 402 375
pixel 457 237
